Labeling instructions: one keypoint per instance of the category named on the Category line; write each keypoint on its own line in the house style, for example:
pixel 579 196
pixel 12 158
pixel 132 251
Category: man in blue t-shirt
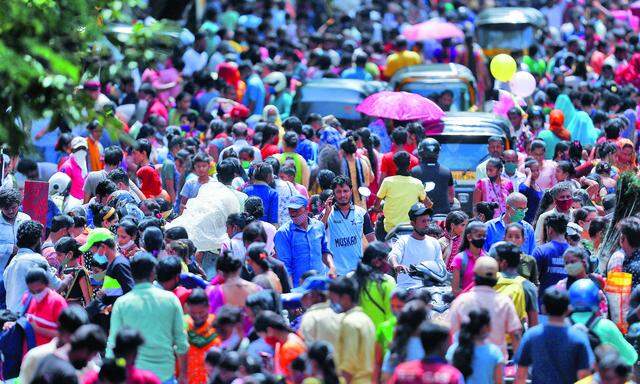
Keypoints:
pixel 549 255
pixel 346 223
pixel 255 94
pixel 555 352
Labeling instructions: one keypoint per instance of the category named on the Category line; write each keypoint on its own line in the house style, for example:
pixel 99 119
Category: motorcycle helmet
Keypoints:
pixel 584 295
pixel 429 148
pixel 277 80
pixel 59 183
pixel 535 111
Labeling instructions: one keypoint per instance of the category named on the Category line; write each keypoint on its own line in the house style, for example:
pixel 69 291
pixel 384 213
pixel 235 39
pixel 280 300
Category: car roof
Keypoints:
pixel 363 87
pixel 511 15
pixel 433 71
pixel 469 124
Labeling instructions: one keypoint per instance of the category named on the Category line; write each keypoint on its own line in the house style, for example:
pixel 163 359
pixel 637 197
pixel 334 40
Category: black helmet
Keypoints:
pixel 428 148
pixel 536 111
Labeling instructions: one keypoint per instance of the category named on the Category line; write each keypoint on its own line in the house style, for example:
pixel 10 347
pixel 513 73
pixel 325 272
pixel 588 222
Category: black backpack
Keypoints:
pixel 587 328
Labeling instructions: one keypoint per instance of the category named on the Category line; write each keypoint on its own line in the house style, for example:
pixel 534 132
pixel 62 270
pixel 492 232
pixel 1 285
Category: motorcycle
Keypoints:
pixel 435 278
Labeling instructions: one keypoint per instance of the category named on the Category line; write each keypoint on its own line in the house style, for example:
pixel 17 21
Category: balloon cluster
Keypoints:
pixel 503 67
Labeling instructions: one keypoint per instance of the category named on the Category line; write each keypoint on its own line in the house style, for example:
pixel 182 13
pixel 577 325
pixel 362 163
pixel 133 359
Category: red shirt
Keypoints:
pixel 388 167
pixel 156 108
pixel 45 313
pixel 269 150
pixel 134 376
pixel 429 371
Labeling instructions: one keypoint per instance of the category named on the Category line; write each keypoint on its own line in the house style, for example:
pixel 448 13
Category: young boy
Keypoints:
pixel 201 167
pixel 201 335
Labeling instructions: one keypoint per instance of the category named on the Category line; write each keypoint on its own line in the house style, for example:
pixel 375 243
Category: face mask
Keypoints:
pixel 271 118
pixel 564 205
pixel 574 269
pixel 185 127
pixel 298 220
pixel 127 245
pixel 536 124
pixel 81 159
pixel 78 364
pixel 100 259
pixel 518 215
pixel 271 340
pixel 493 178
pixel 246 164
pixel 510 168
pixel 40 295
pixel 478 243
pixel 337 308
pixel 201 127
pixel 272 90
pixel 421 231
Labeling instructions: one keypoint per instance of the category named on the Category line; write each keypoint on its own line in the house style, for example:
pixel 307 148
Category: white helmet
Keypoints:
pixel 277 80
pixel 59 183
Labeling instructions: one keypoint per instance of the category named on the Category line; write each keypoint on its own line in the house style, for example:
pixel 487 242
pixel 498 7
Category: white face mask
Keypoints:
pixel 127 245
pixel 39 296
pixel 81 159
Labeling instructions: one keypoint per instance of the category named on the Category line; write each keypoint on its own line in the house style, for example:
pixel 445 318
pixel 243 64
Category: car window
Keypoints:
pixel 433 90
pixel 459 156
pixel 513 38
pixel 339 110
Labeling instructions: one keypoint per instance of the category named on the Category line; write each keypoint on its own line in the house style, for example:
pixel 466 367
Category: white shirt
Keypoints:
pixel 194 61
pixel 408 250
pixel 517 179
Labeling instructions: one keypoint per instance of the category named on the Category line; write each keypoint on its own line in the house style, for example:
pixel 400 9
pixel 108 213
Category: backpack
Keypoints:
pixel 14 344
pixel 588 329
pixel 513 288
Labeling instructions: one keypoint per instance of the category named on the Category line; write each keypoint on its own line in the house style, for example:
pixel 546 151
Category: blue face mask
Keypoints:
pixel 100 259
pixel 337 308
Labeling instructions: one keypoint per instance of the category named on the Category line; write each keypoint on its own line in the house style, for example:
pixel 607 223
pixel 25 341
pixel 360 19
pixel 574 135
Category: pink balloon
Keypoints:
pixel 522 84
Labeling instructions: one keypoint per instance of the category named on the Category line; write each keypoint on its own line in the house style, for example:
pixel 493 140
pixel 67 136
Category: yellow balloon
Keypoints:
pixel 503 67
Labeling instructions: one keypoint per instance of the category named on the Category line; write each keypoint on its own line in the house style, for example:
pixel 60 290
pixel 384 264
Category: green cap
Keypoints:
pixel 95 236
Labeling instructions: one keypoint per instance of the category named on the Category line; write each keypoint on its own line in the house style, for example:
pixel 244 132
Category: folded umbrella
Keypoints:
pixel 402 106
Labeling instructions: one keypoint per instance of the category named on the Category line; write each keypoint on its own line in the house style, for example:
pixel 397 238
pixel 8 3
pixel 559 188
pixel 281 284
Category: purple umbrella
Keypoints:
pixel 432 30
pixel 635 8
pixel 402 106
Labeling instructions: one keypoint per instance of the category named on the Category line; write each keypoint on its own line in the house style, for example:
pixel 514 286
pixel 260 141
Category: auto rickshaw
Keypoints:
pixel 508 29
pixel 431 80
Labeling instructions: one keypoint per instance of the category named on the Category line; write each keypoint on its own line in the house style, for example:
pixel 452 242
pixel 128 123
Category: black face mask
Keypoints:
pixel 78 363
pixel 478 243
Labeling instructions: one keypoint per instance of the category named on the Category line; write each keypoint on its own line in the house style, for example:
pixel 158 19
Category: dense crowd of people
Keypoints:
pixel 220 237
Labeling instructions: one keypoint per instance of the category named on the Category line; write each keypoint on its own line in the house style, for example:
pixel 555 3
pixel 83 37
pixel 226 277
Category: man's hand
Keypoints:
pixel 401 269
pixel 8 325
pixel 427 202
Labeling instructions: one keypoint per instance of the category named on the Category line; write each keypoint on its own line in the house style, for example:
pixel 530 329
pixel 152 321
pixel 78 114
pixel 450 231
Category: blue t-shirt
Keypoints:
pixel 533 201
pixel 190 188
pixel 550 263
pixel 255 93
pixel 345 237
pixel 554 353
pixel 414 352
pixel 485 359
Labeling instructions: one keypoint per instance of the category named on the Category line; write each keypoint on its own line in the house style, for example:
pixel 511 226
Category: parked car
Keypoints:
pixel 430 80
pixel 508 29
pixel 338 97
pixel 463 138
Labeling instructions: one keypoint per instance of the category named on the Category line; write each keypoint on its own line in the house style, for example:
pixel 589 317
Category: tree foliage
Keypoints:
pixel 48 47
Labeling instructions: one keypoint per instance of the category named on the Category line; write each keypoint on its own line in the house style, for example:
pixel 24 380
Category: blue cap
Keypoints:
pixel 313 283
pixel 297 202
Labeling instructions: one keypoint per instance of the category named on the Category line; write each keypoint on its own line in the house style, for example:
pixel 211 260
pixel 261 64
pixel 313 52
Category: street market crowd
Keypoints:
pixel 221 237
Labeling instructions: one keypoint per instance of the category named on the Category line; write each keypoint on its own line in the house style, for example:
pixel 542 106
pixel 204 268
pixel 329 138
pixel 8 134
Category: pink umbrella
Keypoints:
pixel 402 106
pixel 432 30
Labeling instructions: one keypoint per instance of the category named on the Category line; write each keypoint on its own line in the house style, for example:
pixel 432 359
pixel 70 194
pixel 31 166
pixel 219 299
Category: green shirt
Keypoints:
pixel 609 334
pixel 157 315
pixel 375 300
pixel 384 334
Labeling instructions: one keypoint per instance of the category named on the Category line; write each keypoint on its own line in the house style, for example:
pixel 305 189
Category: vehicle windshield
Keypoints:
pixel 461 97
pixel 337 109
pixel 505 36
pixel 461 156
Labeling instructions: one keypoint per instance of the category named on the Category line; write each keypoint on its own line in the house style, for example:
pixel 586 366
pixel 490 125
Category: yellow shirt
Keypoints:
pixel 400 60
pixel 355 348
pixel 399 194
